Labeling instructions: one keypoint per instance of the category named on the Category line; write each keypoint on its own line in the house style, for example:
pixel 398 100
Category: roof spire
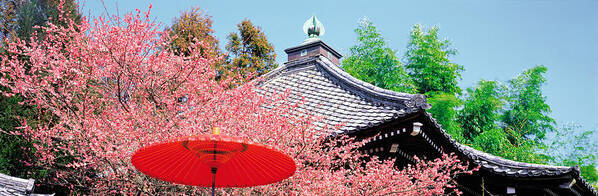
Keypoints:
pixel 313 27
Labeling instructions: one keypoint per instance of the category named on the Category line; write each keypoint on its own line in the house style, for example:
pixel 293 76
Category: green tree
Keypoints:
pixel 527 111
pixel 20 17
pixel 190 27
pixel 502 134
pixel 480 109
pixel 443 110
pixel 497 142
pixel 428 63
pixel 571 145
pixel 8 17
pixel 372 61
pixel 30 14
pixel 15 147
pixel 489 106
pixel 249 52
pixel 480 118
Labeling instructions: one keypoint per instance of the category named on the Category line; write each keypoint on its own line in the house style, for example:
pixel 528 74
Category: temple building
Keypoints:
pixel 402 126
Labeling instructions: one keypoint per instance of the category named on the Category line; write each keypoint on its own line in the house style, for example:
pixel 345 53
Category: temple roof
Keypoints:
pixel 328 91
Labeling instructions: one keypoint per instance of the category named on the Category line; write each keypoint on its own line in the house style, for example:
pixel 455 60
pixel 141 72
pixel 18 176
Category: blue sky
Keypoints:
pixel 496 39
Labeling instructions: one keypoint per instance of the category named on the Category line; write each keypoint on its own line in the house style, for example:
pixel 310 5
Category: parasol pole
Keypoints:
pixel 216 131
pixel 213 179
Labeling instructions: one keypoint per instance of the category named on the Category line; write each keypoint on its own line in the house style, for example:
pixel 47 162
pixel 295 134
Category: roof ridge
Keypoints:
pixel 510 163
pixel 413 101
pixel 585 183
pixel 341 73
pixel 276 72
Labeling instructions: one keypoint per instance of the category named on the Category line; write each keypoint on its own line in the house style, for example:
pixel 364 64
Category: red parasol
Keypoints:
pixel 214 160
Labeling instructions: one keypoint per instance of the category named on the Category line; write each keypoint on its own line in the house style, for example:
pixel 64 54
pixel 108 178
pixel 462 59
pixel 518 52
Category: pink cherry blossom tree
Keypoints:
pixel 114 86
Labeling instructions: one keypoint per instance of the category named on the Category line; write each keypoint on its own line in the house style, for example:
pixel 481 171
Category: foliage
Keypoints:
pixel 589 173
pixel 30 14
pixel 20 17
pixel 8 13
pixel 571 145
pixel 496 142
pixel 493 141
pixel 190 27
pixel 527 111
pixel 15 148
pixel 427 61
pixel 480 109
pixel 443 109
pixel 481 120
pixel 116 86
pixel 372 61
pixel 250 54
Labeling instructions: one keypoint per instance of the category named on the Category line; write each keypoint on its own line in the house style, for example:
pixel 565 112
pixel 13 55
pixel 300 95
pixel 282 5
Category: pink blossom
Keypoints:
pixel 116 87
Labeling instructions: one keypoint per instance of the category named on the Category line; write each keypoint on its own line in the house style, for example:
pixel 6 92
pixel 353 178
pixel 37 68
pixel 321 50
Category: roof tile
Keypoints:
pixel 336 96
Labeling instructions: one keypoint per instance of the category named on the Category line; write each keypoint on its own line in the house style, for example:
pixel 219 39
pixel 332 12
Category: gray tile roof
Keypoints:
pixel 329 92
